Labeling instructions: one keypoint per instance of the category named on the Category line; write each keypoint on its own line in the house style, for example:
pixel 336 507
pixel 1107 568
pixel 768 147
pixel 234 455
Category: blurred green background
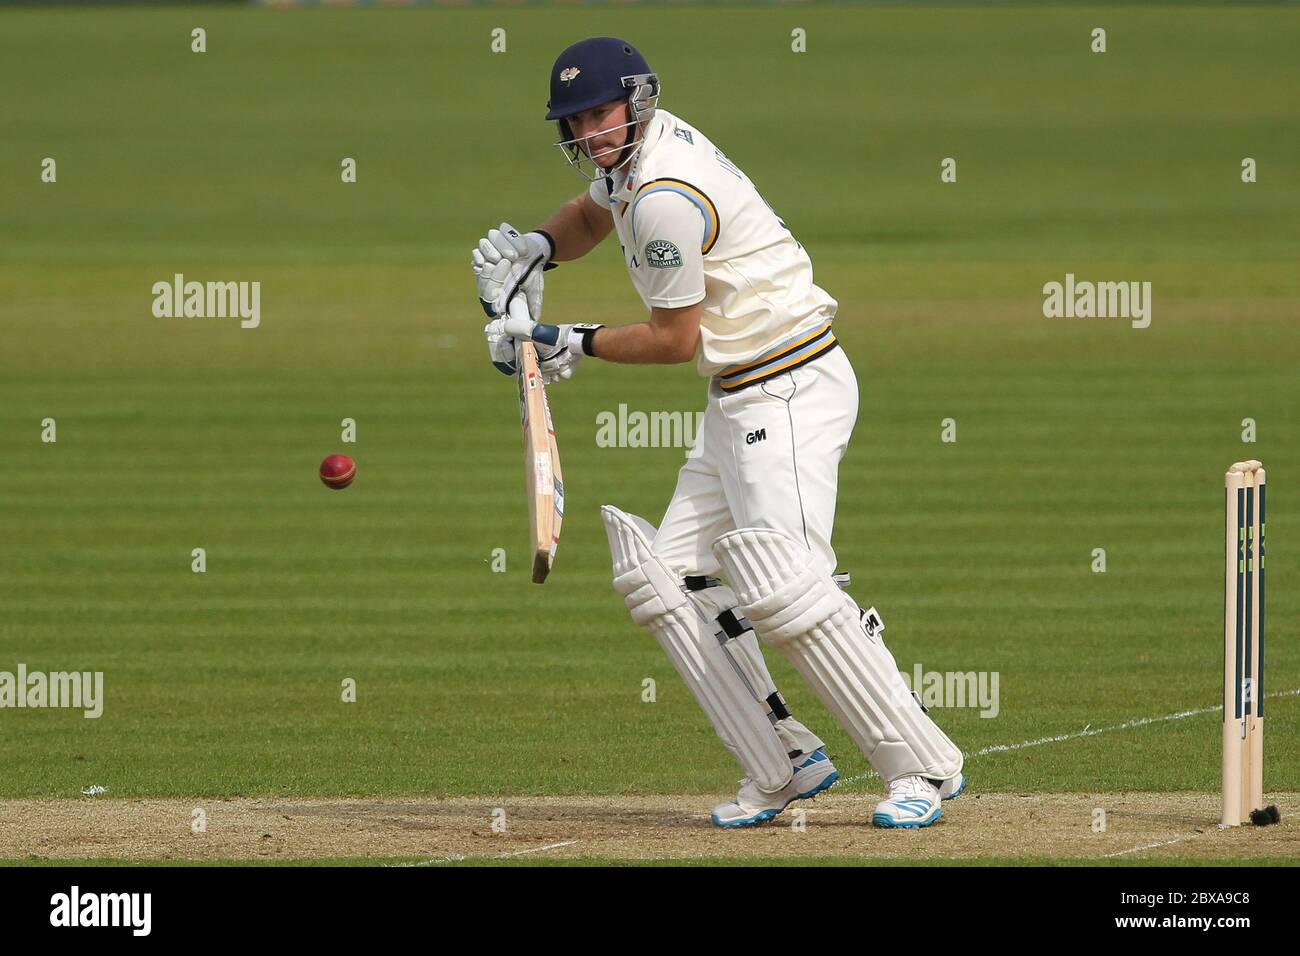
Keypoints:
pixel 182 433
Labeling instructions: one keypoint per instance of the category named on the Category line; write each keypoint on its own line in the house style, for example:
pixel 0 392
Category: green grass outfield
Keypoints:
pixel 175 434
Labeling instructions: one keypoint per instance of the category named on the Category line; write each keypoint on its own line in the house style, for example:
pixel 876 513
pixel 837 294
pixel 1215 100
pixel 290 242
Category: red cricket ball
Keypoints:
pixel 337 471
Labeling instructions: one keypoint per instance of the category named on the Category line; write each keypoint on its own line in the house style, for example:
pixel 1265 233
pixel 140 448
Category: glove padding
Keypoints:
pixel 558 347
pixel 553 362
pixel 491 277
pixel 501 347
pixel 558 365
pixel 507 263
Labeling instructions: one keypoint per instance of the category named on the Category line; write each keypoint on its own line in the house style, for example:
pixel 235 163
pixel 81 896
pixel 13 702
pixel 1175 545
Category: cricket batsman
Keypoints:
pixel 745 543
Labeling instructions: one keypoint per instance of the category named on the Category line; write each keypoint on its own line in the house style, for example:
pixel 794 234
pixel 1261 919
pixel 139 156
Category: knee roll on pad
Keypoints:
pixel 649 589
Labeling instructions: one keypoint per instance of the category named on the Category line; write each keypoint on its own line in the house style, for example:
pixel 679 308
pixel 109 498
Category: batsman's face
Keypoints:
pixel 605 125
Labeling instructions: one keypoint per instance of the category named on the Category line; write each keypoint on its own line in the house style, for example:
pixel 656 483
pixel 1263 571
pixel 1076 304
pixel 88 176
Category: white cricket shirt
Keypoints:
pixel 693 227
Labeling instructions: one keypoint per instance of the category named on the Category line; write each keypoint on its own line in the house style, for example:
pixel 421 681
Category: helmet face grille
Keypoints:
pixel 584 164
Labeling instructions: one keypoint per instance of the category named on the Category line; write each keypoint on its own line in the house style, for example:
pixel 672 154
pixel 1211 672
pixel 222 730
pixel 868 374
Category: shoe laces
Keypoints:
pixel 913 785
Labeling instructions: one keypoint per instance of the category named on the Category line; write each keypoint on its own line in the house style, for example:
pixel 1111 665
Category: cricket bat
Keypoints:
pixel 541 463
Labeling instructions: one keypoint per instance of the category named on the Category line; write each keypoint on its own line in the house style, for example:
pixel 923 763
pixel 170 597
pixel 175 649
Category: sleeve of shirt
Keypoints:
pixel 669 231
pixel 599 193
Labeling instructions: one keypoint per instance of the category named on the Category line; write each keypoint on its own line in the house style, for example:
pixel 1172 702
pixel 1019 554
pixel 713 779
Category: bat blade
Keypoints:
pixel 542 471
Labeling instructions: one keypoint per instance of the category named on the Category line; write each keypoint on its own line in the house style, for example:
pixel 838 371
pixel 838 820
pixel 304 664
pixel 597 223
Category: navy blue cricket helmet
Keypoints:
pixel 594 71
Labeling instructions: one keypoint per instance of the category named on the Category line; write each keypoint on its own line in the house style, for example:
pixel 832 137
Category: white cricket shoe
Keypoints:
pixel 813 773
pixel 913 801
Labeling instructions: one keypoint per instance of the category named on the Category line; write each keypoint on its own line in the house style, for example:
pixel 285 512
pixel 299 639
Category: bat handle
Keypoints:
pixel 518 322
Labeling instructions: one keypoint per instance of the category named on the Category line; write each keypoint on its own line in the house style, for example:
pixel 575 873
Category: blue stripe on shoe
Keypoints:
pixel 817 756
pixel 914 803
pixel 888 822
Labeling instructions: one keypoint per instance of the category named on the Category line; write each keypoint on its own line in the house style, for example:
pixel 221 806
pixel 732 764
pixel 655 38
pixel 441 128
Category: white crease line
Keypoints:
pixel 539 849
pixel 455 858
pixel 1086 732
pixel 869 775
pixel 1151 846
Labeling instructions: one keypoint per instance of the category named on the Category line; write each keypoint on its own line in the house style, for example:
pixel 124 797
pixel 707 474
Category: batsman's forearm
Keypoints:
pixel 641 344
pixel 571 232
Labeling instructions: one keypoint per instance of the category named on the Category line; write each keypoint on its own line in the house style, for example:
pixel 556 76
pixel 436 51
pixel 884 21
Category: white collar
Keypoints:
pixel 654 132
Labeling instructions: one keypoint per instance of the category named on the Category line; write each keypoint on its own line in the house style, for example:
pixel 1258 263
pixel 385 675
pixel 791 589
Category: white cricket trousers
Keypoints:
pixel 766 456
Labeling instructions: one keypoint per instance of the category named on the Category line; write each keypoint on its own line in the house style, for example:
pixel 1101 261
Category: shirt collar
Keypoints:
pixel 627 181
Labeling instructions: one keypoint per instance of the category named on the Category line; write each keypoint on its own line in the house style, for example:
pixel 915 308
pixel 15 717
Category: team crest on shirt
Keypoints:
pixel 662 254
pixel 569 74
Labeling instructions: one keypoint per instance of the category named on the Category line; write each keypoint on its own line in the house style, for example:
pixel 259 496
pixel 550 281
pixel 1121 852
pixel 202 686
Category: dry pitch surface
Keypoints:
pixel 1178 827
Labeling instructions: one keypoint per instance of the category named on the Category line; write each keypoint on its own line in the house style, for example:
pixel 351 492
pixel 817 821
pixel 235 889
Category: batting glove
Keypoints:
pixel 570 343
pixel 507 263
pixel 559 347
pixel 501 347
pixel 554 364
pixel 550 339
